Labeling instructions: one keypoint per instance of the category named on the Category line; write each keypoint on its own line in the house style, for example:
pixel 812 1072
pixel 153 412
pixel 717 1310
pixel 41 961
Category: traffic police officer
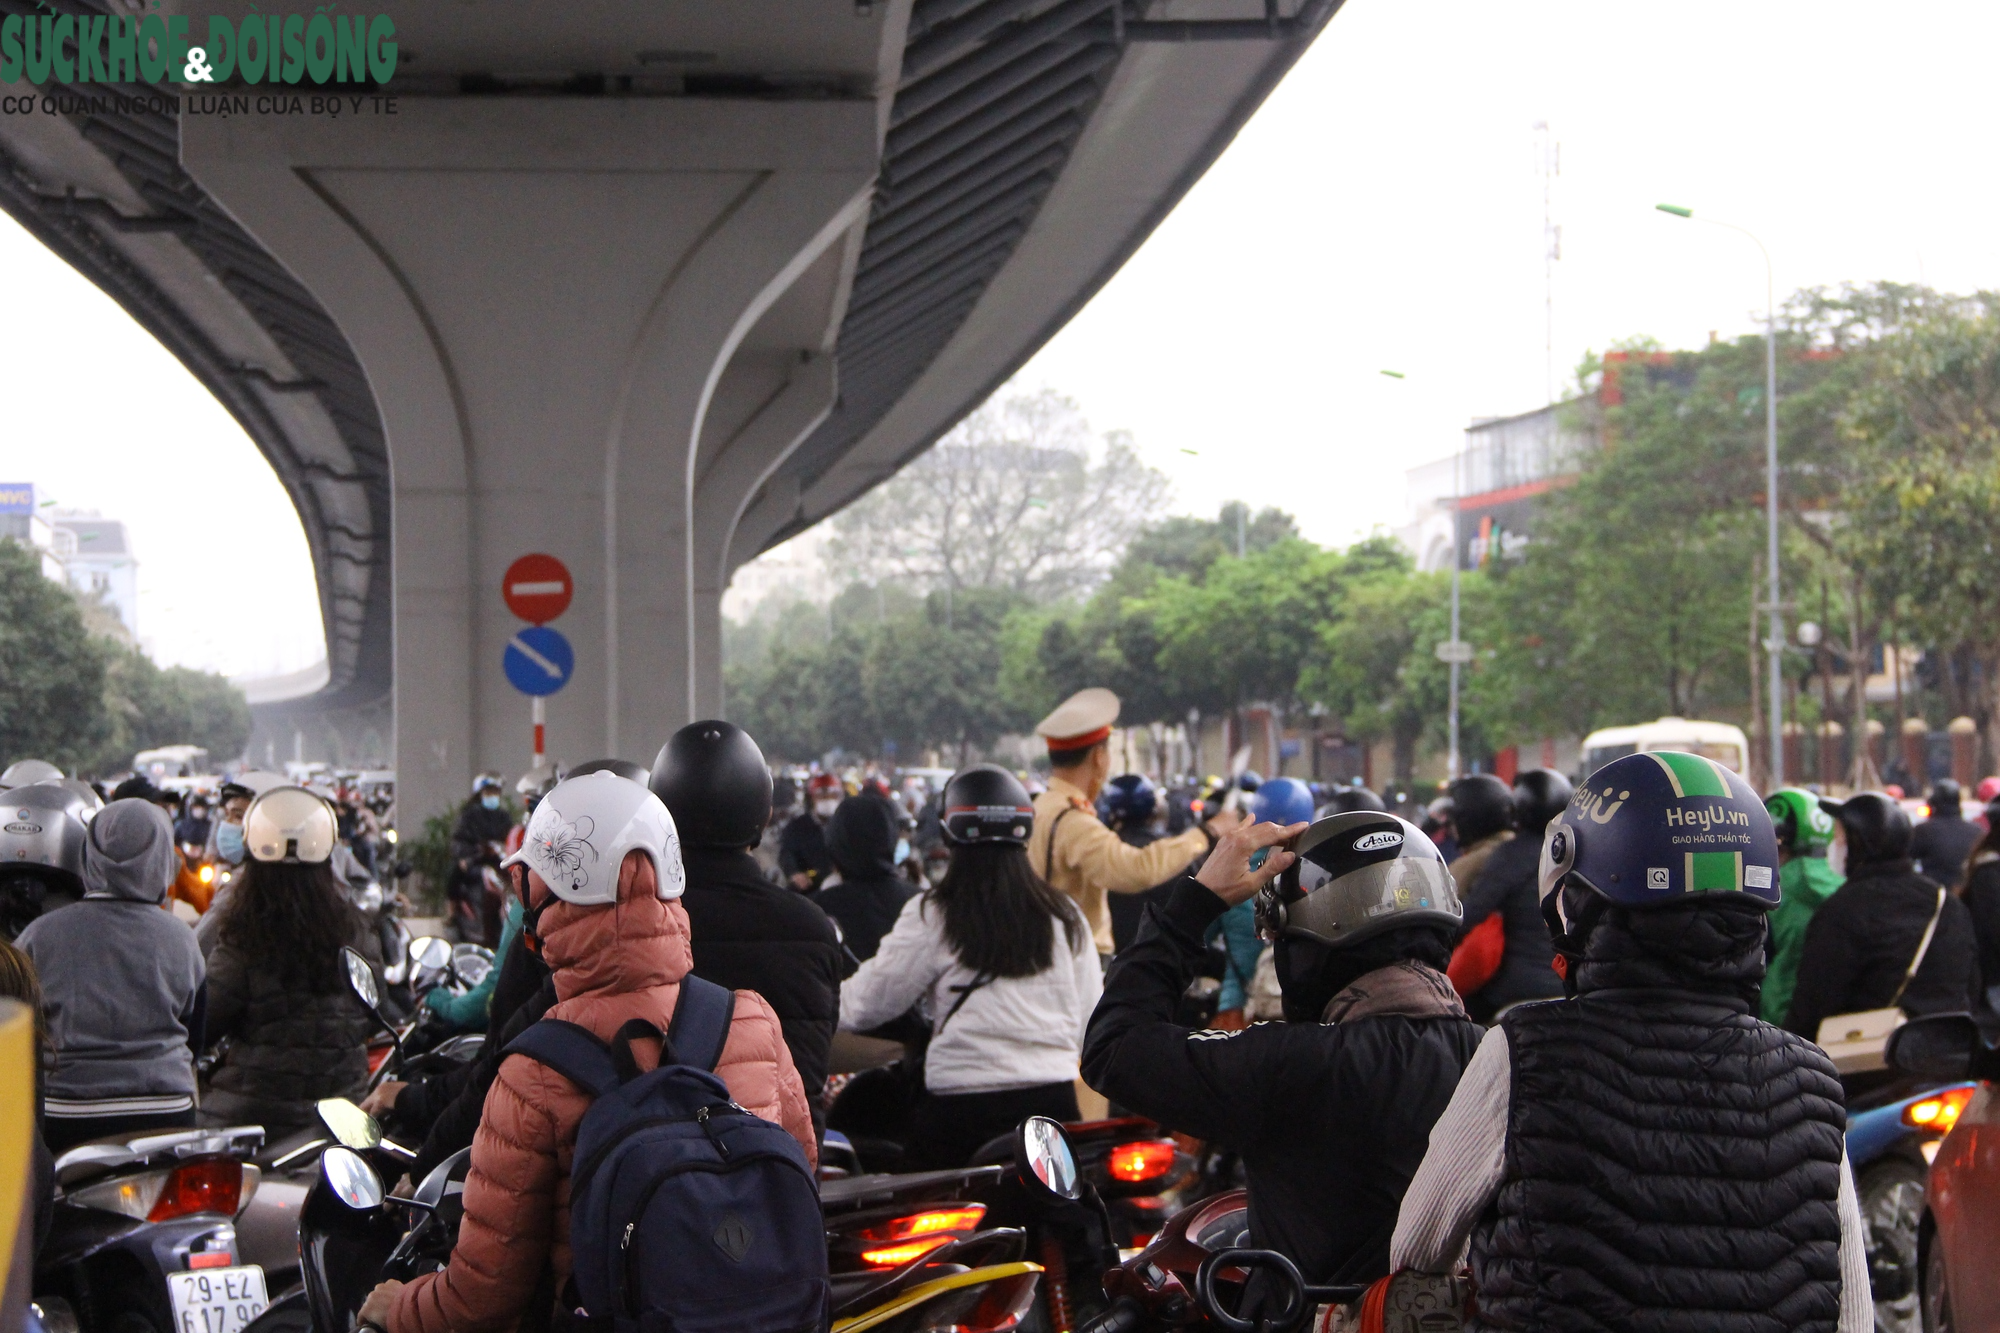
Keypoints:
pixel 1071 848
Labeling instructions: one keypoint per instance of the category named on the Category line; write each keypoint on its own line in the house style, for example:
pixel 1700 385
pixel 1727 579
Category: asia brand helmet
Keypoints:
pixel 1658 828
pixel 713 778
pixel 42 831
pixel 580 832
pixel 1345 800
pixel 1539 796
pixel 27 772
pixel 986 803
pixel 1357 875
pixel 1129 798
pixel 1876 827
pixel 1282 801
pixel 290 824
pixel 1481 806
pixel 1800 823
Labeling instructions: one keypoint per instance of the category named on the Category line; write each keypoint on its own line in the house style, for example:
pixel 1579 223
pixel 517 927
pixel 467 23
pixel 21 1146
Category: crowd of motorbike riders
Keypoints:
pixel 1376 1048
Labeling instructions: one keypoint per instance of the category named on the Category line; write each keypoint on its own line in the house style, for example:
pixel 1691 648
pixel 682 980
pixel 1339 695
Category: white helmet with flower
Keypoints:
pixel 580 832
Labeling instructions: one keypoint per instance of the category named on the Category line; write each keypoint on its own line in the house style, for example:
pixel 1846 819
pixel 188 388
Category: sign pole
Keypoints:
pixel 539 712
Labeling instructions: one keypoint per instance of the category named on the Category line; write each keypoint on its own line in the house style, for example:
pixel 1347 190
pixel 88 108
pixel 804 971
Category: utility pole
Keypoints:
pixel 1549 166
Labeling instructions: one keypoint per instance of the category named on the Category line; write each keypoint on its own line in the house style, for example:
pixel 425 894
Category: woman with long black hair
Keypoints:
pixel 277 984
pixel 1006 971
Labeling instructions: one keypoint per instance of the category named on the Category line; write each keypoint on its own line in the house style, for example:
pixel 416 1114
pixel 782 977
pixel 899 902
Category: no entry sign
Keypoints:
pixel 537 588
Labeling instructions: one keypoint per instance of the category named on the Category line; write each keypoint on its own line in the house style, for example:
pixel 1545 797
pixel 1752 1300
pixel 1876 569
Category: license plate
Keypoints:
pixel 217 1300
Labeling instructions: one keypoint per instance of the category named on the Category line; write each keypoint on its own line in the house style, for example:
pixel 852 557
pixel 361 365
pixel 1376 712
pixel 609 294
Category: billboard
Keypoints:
pixel 17 497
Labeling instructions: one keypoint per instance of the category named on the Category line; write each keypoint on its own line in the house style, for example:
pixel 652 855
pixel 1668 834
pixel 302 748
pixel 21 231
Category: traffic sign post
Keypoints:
pixel 538 660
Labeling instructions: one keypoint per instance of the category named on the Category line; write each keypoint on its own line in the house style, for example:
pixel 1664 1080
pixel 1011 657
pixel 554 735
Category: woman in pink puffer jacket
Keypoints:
pixel 613 961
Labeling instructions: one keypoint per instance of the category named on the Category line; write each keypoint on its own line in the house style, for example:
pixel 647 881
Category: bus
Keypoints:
pixel 1725 744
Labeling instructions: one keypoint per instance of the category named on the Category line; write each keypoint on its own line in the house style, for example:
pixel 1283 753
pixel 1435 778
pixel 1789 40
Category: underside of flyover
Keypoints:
pixel 649 289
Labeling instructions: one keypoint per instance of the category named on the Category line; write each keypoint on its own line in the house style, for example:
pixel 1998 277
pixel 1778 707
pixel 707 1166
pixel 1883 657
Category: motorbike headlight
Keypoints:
pixel 371 897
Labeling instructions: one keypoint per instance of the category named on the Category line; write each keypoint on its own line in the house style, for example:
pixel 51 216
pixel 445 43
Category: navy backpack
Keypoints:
pixel 688 1214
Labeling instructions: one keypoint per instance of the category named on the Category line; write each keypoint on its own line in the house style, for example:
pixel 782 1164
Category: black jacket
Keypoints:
pixel 1940 846
pixel 1860 942
pixel 1982 899
pixel 749 934
pixel 802 849
pixel 871 893
pixel 476 827
pixel 1331 1119
pixel 445 1108
pixel 1510 886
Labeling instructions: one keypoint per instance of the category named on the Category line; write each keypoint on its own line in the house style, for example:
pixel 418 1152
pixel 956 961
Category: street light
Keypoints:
pixel 1453 652
pixel 1775 643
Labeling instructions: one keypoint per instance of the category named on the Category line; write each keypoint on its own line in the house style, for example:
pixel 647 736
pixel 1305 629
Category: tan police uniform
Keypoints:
pixel 1071 847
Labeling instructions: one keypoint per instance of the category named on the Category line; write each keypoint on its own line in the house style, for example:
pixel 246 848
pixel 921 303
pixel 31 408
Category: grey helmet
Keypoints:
pixel 26 772
pixel 1358 874
pixel 42 831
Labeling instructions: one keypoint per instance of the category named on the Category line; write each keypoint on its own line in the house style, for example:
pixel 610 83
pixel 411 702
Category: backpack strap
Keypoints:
pixel 700 1027
pixel 572 1051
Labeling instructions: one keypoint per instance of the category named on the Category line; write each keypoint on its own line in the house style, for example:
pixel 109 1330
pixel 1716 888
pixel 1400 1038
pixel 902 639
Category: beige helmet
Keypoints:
pixel 289 824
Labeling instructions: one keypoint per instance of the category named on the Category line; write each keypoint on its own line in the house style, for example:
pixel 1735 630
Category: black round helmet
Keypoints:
pixel 1539 796
pixel 1346 800
pixel 1129 798
pixel 1357 875
pixel 624 768
pixel 1946 796
pixel 713 780
pixel 1481 806
pixel 986 803
pixel 1876 826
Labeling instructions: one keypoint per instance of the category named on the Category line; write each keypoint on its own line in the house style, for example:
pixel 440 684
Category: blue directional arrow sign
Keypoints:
pixel 538 660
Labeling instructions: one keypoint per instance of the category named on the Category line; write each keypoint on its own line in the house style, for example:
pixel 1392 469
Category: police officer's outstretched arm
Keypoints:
pixel 1214 1085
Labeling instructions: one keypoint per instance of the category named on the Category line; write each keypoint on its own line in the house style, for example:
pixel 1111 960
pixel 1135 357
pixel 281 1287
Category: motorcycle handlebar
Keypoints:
pixel 1298 1292
pixel 1125 1316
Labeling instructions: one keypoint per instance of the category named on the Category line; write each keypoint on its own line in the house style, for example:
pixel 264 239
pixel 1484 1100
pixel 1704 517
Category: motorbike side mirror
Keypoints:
pixel 351 1179
pixel 431 952
pixel 1942 1046
pixel 361 978
pixel 1044 1158
pixel 350 1126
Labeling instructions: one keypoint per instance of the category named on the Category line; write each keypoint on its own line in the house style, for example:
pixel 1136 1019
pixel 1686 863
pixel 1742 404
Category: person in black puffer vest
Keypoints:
pixel 1647 1154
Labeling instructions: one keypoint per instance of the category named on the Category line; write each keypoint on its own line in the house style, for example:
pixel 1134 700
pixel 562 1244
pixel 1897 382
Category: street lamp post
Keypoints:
pixel 1774 645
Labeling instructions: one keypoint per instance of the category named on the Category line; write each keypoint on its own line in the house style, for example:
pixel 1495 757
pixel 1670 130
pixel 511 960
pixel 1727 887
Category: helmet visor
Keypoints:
pixel 1340 908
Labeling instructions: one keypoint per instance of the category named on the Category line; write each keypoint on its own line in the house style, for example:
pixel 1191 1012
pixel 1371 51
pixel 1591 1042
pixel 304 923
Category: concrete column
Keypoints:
pixel 546 295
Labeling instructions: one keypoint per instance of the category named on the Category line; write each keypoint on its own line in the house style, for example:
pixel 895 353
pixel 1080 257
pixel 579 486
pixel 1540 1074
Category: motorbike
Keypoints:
pixel 1893 1132
pixel 145 1235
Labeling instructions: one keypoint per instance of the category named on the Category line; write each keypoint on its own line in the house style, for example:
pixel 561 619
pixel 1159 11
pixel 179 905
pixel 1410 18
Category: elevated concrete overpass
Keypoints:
pixel 647 287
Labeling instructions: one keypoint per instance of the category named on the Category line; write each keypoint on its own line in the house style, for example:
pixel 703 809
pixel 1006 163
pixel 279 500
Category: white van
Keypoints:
pixel 1725 744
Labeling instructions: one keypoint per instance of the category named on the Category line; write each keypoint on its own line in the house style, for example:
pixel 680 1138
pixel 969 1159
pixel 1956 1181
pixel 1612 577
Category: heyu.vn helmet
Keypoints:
pixel 1657 828
pixel 580 832
pixel 1357 875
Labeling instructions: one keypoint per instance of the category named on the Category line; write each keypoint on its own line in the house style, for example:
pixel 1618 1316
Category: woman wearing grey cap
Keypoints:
pixel 122 985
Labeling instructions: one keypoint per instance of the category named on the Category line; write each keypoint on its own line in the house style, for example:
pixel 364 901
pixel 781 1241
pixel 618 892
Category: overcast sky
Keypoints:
pixel 1382 211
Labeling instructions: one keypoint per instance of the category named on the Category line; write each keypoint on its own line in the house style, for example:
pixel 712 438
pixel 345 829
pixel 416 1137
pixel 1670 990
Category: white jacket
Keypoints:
pixel 1013 1032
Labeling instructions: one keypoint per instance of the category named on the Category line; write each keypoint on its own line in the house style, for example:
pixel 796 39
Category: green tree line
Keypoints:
pixel 88 702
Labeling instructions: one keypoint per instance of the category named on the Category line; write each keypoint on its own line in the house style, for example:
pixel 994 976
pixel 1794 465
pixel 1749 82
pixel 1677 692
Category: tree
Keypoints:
pixel 146 706
pixel 1017 497
pixel 1375 664
pixel 51 672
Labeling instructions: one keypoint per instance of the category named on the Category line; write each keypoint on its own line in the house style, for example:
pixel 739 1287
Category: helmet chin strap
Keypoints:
pixel 1570 937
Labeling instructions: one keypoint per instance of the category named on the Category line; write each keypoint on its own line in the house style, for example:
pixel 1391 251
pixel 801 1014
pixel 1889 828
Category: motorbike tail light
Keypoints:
pixel 895 1256
pixel 1940 1110
pixel 206 874
pixel 1148 1159
pixel 959 1217
pixel 206 1185
pixel 132 1195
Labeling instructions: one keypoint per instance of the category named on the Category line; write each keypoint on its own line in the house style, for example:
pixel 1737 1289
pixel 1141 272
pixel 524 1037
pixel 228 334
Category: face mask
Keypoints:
pixel 902 850
pixel 490 801
pixel 1836 857
pixel 825 809
pixel 229 841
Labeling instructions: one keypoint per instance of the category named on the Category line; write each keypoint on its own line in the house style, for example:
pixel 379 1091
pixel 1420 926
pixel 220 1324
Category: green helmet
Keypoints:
pixel 1803 827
